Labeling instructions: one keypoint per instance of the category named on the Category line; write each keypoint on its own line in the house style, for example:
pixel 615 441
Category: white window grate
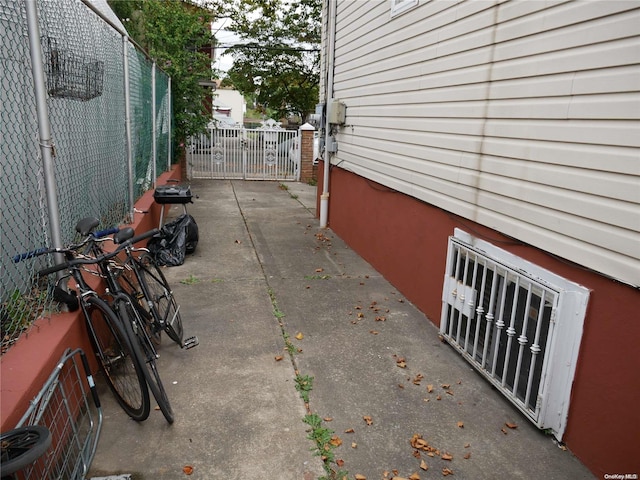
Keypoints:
pixel 516 323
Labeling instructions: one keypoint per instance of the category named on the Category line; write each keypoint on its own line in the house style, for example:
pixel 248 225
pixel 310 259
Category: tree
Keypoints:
pixel 279 57
pixel 174 34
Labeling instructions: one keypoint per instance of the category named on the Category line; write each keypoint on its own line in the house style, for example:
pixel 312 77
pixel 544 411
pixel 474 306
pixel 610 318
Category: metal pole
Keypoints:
pixel 44 127
pixel 127 123
pixel 169 141
pixel 153 123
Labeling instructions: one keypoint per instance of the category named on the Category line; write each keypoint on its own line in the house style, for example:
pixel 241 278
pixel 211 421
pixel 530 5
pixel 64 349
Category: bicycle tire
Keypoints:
pixel 23 446
pixel 147 358
pixel 119 359
pixel 130 284
pixel 155 283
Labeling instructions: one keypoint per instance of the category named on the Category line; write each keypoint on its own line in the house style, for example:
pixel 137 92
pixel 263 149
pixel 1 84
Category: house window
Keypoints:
pixel 401 6
pixel 516 323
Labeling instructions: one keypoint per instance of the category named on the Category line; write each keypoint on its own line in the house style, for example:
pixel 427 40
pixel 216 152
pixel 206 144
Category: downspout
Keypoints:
pixel 44 127
pixel 331 47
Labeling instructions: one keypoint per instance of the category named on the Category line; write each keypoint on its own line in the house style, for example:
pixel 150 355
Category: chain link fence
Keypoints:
pixel 89 63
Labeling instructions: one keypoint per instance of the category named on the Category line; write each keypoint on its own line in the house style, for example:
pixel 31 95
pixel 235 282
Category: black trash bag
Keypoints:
pixel 175 239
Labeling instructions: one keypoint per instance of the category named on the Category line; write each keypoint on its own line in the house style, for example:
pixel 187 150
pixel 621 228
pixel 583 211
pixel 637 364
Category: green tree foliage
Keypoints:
pixel 176 35
pixel 279 56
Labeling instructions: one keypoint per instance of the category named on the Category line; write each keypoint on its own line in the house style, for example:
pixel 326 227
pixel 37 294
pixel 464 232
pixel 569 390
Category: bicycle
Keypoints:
pixel 141 278
pixel 137 320
pixel 119 357
pixel 21 447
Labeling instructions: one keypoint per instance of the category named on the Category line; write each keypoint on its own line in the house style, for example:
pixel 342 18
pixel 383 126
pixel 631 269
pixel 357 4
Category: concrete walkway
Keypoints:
pixel 264 281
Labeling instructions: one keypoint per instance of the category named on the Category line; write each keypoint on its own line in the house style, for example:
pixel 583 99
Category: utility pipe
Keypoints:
pixel 331 47
pixel 44 127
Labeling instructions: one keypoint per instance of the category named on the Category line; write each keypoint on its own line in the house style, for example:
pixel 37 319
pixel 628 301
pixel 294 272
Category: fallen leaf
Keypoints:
pixel 424 466
pixel 354 445
pixel 401 364
pixel 318 270
pixel 418 378
pixel 374 332
pixel 349 430
pixel 503 431
pixel 340 462
pixel 414 476
pixel 381 319
pixel 278 358
pixel 368 419
pixel 446 385
pixel 360 477
pixel 335 441
pixel 511 425
pixel 450 392
pixel 447 471
pixel 467 456
pixel 327 419
pixel 360 315
pixel 429 388
pixel 299 335
pixel 467 445
pixel 438 397
pixel 187 469
pixel 446 456
pixel 460 425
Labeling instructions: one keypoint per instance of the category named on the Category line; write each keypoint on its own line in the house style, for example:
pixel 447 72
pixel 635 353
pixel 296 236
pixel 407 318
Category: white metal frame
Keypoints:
pixel 524 325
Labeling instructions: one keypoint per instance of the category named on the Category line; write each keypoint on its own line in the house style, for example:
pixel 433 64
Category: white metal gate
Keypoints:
pixel 269 152
pixel 517 324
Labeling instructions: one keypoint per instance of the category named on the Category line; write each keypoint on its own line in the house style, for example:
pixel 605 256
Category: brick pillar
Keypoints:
pixel 307 170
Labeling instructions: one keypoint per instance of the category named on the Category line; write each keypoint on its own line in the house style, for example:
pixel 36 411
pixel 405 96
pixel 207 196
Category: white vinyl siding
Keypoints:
pixel 522 115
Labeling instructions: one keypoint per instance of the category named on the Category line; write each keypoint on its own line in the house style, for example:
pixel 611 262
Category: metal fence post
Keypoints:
pixel 44 127
pixel 127 122
pixel 154 112
pixel 169 139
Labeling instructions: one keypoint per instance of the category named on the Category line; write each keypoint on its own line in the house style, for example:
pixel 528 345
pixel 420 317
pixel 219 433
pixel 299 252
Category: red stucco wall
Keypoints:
pixel 406 241
pixel 28 364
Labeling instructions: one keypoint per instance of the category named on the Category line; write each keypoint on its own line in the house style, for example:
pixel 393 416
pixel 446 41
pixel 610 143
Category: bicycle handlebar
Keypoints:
pixel 90 261
pixel 31 254
pixel 106 232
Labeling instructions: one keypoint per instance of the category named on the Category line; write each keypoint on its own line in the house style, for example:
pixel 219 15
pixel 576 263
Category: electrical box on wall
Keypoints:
pixel 336 112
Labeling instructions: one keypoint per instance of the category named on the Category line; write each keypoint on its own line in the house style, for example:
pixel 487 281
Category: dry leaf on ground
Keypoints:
pixel 368 419
pixel 187 469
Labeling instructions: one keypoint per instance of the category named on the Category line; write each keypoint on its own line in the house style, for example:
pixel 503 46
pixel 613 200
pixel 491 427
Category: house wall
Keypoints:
pixel 233 99
pixel 405 239
pixel 521 116
pixel 517 122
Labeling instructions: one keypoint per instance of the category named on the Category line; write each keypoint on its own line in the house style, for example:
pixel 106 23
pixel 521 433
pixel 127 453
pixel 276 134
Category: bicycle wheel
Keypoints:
pixel 118 359
pixel 157 287
pixel 22 446
pixel 128 281
pixel 138 334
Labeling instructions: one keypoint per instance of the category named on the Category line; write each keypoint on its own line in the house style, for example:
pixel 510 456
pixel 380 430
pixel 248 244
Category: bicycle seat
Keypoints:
pixel 123 235
pixel 86 225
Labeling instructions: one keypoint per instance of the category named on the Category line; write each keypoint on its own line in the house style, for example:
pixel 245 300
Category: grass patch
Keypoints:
pixel 191 280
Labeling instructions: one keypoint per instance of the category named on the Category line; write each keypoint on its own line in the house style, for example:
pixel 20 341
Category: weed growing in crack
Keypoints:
pixel 325 444
pixel 304 385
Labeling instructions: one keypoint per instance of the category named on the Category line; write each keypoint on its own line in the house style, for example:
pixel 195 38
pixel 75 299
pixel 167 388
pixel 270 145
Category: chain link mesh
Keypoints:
pixel 83 60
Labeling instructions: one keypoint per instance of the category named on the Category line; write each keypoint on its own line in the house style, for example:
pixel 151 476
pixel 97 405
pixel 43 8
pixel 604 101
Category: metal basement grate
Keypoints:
pixel 503 320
